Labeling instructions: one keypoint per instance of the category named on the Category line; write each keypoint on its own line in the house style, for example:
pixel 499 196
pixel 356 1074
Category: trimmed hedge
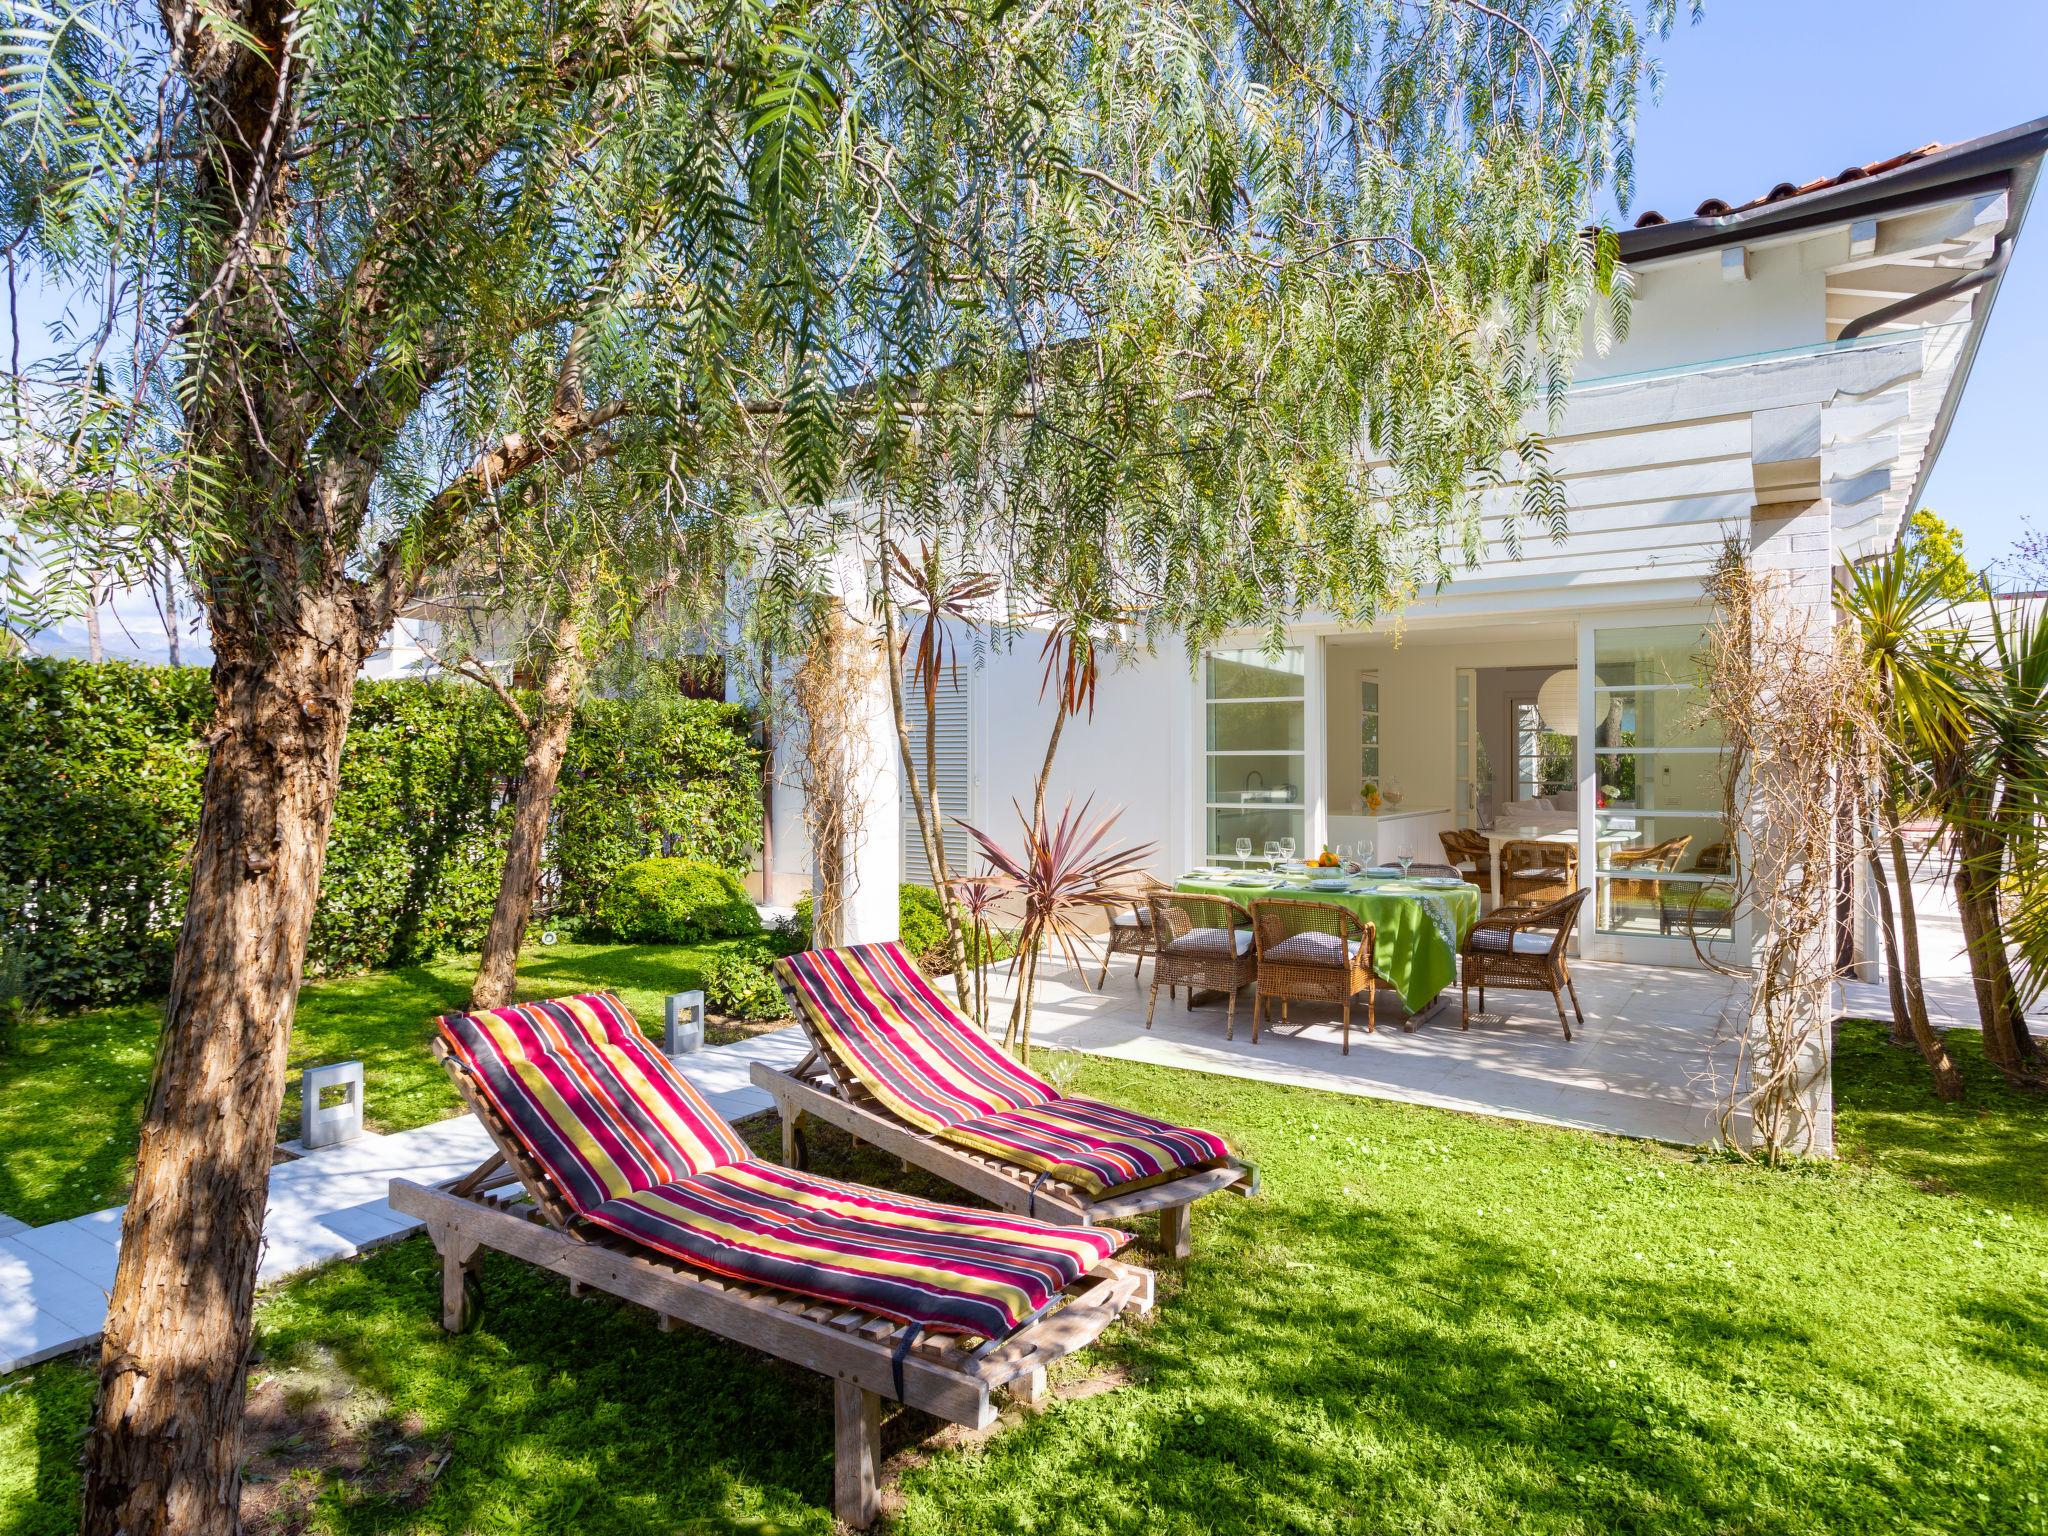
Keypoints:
pixel 100 771
pixel 675 901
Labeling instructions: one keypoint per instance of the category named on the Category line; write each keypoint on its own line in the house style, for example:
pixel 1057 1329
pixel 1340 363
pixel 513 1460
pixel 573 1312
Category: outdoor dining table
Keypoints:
pixel 1418 928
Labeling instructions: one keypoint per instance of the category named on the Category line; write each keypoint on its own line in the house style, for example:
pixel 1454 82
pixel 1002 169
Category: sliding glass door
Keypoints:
pixel 1256 781
pixel 1664 853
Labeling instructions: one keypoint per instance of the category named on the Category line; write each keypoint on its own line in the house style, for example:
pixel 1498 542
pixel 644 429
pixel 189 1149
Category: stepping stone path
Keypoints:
pixel 324 1205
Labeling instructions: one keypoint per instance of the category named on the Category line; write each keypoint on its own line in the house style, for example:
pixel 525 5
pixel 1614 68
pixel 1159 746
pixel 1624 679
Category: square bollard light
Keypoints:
pixel 323 1124
pixel 684 1031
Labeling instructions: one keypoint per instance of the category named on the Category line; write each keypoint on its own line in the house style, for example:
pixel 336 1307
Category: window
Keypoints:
pixel 1368 736
pixel 1256 736
pixel 1544 759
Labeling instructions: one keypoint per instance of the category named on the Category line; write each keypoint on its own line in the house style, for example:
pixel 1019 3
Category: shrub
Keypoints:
pixel 920 926
pixel 675 901
pixel 669 777
pixel 738 983
pixel 100 772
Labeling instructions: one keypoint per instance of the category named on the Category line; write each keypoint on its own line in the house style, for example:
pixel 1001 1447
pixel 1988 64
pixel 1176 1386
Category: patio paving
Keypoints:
pixel 1651 1059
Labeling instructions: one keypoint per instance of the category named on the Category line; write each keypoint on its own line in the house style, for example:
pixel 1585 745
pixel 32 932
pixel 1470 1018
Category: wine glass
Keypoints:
pixel 1244 850
pixel 1287 849
pixel 1404 861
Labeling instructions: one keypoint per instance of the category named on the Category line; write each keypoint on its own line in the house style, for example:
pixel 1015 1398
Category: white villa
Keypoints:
pixel 1791 367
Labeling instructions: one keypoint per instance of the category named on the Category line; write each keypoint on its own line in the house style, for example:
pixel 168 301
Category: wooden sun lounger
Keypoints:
pixel 945 1375
pixel 819 1088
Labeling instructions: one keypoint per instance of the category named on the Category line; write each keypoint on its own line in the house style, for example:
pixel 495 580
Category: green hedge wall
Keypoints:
pixel 100 769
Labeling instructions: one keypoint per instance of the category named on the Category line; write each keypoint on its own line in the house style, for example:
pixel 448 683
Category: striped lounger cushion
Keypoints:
pixel 891 1031
pixel 634 1148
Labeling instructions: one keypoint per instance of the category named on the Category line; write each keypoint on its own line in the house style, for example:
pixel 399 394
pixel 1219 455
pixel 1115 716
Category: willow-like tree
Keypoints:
pixel 1252 297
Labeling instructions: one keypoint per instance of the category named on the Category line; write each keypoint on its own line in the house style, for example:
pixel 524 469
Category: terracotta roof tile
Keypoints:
pixel 1714 207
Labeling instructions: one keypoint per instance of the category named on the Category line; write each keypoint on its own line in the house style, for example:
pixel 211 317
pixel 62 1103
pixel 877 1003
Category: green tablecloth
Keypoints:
pixel 1416 934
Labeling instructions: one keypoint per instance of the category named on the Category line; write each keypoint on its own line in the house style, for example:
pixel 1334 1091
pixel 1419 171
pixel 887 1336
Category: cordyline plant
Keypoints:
pixel 1060 873
pixel 1247 296
pixel 979 898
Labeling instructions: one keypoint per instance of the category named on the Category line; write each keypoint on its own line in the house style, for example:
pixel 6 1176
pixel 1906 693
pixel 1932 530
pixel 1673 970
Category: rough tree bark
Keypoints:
pixel 1998 1003
pixel 1901 1026
pixel 165 1453
pixel 547 741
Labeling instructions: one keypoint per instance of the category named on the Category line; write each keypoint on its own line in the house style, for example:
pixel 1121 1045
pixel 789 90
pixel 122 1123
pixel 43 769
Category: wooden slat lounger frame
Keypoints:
pixel 945 1375
pixel 818 1087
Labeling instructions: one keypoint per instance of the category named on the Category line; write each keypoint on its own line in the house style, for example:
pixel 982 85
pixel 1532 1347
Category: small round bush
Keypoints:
pixel 737 983
pixel 676 901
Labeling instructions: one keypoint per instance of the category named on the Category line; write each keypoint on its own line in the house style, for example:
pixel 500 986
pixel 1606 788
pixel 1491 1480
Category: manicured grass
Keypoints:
pixel 1427 1323
pixel 71 1095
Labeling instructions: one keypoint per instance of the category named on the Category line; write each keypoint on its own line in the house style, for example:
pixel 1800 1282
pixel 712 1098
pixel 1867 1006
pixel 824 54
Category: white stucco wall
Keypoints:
pixel 1685 312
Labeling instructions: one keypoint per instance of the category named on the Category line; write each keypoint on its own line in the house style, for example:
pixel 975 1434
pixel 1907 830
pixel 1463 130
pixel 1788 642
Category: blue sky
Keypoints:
pixel 1764 91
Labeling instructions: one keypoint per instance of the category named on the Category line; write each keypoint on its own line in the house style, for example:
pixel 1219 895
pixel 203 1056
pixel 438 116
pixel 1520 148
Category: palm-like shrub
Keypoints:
pixel 1061 873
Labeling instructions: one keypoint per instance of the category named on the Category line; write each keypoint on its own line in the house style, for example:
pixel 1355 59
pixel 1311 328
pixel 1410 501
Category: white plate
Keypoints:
pixel 1438 882
pixel 1329 885
pixel 1207 873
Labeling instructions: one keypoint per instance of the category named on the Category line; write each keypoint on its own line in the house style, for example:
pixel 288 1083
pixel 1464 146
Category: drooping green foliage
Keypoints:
pixel 1214 310
pixel 100 772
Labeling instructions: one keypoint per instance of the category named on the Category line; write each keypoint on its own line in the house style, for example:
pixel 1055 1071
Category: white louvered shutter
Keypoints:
pixel 952 762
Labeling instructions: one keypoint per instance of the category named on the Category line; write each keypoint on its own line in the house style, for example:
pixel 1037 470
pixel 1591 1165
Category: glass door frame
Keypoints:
pixel 1642 949
pixel 1315 739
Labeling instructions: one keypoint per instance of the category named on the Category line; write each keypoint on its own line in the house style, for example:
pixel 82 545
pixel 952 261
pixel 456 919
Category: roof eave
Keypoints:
pixel 1980 165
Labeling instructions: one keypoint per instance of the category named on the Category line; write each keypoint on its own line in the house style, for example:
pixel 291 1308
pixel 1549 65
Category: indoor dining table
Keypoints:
pixel 1417 927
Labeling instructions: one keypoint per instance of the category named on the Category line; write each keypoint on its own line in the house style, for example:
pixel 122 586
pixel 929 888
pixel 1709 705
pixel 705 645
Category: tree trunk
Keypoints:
pixel 164 1457
pixel 1902 1026
pixel 547 740
pixel 1977 859
pixel 1948 1084
pixel 95 650
pixel 1052 746
pixel 171 638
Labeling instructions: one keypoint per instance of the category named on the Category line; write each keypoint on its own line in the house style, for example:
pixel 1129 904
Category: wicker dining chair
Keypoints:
pixel 1471 856
pixel 1201 941
pixel 1538 871
pixel 1523 948
pixel 1130 931
pixel 1657 857
pixel 1420 871
pixel 1313 952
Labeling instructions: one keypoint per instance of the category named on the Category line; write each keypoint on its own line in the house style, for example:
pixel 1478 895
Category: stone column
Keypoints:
pixel 1793 542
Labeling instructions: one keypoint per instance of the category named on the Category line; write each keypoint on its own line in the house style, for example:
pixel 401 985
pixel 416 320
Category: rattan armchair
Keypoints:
pixel 1658 857
pixel 1523 948
pixel 1201 941
pixel 1130 931
pixel 1465 847
pixel 1538 871
pixel 1313 952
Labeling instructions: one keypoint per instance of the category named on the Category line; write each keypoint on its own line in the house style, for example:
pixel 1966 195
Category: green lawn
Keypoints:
pixel 1428 1323
pixel 71 1095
